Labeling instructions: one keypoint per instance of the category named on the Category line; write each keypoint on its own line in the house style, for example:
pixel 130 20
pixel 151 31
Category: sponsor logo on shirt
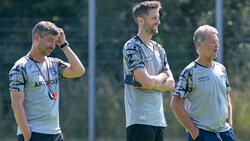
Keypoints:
pixel 142 117
pixel 203 78
pixel 43 83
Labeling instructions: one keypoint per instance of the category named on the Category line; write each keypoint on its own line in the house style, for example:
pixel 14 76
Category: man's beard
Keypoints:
pixel 47 53
pixel 150 30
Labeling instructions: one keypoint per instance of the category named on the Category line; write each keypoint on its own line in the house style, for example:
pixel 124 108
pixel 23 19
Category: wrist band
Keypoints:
pixel 64 45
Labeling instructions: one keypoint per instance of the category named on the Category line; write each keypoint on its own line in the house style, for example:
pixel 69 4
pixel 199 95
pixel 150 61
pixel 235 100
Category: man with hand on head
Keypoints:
pixel 34 84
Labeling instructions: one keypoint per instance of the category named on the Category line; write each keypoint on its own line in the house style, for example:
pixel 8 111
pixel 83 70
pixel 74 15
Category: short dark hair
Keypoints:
pixel 44 28
pixel 141 9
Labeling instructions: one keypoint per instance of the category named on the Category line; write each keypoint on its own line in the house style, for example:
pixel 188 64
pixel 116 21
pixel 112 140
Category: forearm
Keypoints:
pixel 21 120
pixel 154 82
pixel 149 81
pixel 230 113
pixel 184 119
pixel 158 80
pixel 177 105
pixel 166 86
pixel 76 67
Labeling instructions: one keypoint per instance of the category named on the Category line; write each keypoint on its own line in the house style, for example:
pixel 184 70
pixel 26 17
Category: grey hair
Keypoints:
pixel 44 28
pixel 200 33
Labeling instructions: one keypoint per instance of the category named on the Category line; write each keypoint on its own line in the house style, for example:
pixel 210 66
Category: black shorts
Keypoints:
pixel 42 137
pixel 139 132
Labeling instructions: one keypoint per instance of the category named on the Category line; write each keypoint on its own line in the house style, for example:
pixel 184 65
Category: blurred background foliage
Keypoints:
pixel 114 26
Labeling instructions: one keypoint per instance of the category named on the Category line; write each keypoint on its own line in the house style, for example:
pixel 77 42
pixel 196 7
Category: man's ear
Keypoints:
pixel 140 20
pixel 200 44
pixel 36 37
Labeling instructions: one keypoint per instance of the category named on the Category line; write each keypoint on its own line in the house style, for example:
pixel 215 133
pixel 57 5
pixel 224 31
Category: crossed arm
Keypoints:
pixel 161 82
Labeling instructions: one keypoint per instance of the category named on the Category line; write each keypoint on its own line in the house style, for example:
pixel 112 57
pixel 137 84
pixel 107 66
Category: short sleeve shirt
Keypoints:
pixel 143 106
pixel 205 92
pixel 32 78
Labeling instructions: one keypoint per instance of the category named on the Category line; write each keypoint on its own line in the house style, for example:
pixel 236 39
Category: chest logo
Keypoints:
pixel 52 71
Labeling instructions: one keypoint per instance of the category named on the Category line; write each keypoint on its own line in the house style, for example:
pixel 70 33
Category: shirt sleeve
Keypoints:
pixel 17 78
pixel 184 85
pixel 133 56
pixel 61 66
pixel 228 84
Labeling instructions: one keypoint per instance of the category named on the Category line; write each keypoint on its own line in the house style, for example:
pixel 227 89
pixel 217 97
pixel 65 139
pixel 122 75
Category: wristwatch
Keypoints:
pixel 64 45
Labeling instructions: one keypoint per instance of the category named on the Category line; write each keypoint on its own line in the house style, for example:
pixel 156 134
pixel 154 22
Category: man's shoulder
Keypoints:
pixel 218 64
pixel 20 65
pixel 191 65
pixel 53 60
pixel 22 61
pixel 190 68
pixel 132 43
pixel 159 46
pixel 155 43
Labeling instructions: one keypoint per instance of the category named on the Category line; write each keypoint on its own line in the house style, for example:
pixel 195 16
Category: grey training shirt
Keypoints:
pixel 42 112
pixel 205 92
pixel 143 106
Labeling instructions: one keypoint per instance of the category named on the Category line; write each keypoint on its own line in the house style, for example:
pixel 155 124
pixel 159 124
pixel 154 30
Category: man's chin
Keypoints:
pixel 155 32
pixel 47 54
